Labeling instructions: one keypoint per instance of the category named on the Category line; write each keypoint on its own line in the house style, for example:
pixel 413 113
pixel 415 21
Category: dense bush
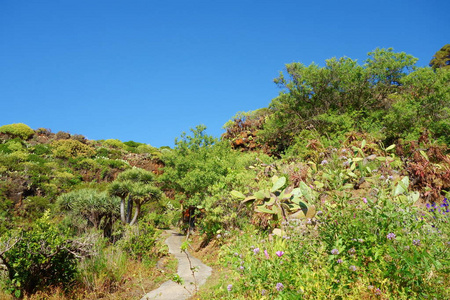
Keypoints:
pixel 66 148
pixel 203 172
pixel 142 242
pixel 387 96
pixel 18 130
pixel 40 257
pixel 374 247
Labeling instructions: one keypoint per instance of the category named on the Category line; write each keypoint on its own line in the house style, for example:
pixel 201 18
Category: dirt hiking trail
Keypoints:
pixel 171 290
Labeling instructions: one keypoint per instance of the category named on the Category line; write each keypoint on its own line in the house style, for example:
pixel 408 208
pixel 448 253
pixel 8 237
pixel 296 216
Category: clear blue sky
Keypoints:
pixel 149 70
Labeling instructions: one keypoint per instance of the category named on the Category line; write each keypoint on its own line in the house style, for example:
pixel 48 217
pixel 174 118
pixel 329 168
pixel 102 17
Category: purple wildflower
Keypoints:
pixel 335 251
pixel 391 236
pixel 353 268
pixel 280 286
pixel 266 254
pixel 229 287
pixel 324 162
pixel 256 250
pixel 364 200
pixel 241 268
pixel 340 261
pixel 416 242
pixel 377 291
pixel 263 292
pixel 279 253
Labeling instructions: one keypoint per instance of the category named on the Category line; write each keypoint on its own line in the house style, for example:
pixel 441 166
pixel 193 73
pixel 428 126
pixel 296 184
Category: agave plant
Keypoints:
pixel 285 204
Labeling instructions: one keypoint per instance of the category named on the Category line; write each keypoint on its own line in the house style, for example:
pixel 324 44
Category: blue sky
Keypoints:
pixel 148 70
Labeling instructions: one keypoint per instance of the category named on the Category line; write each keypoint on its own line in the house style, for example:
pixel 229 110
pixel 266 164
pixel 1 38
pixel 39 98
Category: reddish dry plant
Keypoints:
pixel 428 167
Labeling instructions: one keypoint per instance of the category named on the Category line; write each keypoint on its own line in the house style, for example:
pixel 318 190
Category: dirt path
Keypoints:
pixel 170 290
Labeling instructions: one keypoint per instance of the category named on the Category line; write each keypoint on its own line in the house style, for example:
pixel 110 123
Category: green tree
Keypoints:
pixel 99 209
pixel 311 94
pixel 136 186
pixel 441 59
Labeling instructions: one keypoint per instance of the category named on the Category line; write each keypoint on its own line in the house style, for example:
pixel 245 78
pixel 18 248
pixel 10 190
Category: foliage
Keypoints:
pixel 114 143
pixel 203 172
pixel 39 257
pixel 282 204
pixel 136 186
pixel 67 148
pixel 142 242
pixel 441 59
pixel 379 247
pixel 386 95
pixel 242 131
pixel 98 208
pixel 17 130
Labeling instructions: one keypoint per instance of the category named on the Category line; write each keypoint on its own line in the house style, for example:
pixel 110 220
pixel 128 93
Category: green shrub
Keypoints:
pixel 17 130
pixel 71 148
pixel 114 143
pixel 381 246
pixel 41 149
pixel 142 242
pixel 38 258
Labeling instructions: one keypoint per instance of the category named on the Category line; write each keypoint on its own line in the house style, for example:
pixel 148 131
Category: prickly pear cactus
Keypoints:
pixel 285 204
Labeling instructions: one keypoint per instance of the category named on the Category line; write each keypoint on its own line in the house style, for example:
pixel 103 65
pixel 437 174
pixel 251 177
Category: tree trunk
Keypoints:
pixel 122 211
pixel 129 210
pixel 136 213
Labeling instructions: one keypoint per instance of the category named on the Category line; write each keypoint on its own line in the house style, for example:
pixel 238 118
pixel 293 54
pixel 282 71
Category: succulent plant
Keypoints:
pixel 288 203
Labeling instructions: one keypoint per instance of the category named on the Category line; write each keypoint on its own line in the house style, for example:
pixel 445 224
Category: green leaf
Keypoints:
pixel 306 191
pixel 297 215
pixel 297 192
pixel 260 195
pixel 278 184
pixel 251 198
pixel 390 147
pixel 363 144
pixel 424 154
pixel 311 212
pixel 352 174
pixel 402 186
pixel 263 209
pixel 413 197
pixel 237 194
pixel 296 199
pixel 271 201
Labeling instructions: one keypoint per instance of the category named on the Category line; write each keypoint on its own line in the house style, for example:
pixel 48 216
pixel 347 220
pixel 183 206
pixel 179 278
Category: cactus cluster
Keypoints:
pixel 285 204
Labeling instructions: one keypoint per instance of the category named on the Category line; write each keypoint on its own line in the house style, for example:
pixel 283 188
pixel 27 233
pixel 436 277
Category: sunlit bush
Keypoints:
pixel 18 130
